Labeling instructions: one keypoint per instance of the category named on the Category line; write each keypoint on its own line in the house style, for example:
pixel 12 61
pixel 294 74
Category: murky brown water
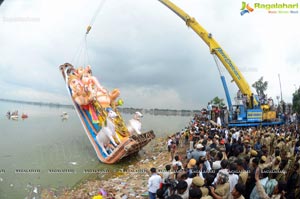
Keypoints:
pixel 44 151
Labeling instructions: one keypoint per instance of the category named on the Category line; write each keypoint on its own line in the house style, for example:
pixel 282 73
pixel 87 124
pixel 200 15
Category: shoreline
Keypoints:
pixel 130 181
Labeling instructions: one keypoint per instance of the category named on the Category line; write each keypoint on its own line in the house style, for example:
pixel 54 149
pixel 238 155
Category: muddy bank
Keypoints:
pixel 130 181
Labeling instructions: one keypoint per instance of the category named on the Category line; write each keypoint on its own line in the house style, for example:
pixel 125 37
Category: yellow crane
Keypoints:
pixel 258 113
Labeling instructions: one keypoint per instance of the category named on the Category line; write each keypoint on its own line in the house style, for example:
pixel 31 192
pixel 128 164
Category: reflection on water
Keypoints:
pixel 45 151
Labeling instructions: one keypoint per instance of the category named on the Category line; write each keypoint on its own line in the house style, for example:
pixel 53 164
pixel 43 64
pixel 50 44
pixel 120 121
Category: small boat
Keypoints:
pixel 14 117
pixel 97 120
pixel 64 116
pixel 24 116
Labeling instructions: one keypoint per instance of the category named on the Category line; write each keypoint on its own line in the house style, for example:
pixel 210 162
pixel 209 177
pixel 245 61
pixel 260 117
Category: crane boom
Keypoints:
pixel 214 48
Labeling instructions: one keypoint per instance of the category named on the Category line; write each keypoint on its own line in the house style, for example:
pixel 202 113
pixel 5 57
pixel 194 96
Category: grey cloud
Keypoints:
pixel 140 47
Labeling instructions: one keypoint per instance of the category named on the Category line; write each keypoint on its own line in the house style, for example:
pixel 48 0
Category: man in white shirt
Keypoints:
pixel 153 183
pixel 209 109
pixel 167 174
pixel 233 177
pixel 169 143
pixel 177 164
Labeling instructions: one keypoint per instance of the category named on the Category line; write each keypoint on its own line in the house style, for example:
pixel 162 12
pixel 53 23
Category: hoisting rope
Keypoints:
pixel 100 6
pixel 81 55
pixel 217 64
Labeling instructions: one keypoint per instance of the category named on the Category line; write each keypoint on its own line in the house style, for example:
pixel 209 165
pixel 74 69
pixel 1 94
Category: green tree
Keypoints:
pixel 260 86
pixel 296 101
pixel 218 102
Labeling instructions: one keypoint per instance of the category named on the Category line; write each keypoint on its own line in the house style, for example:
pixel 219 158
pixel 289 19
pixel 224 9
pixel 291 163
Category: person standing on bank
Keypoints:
pixel 169 143
pixel 209 109
pixel 153 183
pixel 251 101
pixel 173 150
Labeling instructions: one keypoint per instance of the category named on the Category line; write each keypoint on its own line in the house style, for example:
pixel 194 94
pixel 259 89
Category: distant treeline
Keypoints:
pixel 154 111
pixel 38 103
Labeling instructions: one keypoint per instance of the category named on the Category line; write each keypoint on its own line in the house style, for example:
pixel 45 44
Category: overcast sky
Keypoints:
pixel 144 49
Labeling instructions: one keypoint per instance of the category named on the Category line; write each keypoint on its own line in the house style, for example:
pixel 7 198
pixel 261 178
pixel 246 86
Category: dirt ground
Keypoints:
pixel 131 182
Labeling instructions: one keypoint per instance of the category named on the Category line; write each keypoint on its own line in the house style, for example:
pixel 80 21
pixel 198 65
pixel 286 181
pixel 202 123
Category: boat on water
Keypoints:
pixel 64 116
pixel 24 116
pixel 12 115
pixel 98 111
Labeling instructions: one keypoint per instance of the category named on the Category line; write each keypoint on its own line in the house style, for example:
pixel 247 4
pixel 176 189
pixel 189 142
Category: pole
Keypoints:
pixel 280 86
pixel 223 83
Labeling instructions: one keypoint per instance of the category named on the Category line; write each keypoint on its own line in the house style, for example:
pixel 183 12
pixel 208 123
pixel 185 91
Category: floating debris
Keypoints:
pixel 73 163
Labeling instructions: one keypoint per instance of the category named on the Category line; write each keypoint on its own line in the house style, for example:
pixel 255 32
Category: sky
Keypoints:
pixel 144 49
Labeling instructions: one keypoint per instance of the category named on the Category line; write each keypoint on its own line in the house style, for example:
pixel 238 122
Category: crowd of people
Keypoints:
pixel 225 163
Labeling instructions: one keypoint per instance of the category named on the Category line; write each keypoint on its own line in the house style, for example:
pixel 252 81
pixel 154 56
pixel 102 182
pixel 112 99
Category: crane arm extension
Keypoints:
pixel 214 48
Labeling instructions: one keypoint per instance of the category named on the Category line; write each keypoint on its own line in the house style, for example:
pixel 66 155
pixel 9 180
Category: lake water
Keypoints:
pixel 44 151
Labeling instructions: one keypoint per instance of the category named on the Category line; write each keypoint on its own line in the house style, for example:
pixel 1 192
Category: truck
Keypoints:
pixel 251 113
